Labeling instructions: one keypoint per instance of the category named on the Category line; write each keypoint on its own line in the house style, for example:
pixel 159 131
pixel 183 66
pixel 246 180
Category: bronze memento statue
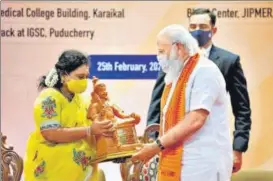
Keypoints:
pixel 124 141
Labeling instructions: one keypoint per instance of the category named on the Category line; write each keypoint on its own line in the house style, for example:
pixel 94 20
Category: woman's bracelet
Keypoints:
pixel 88 131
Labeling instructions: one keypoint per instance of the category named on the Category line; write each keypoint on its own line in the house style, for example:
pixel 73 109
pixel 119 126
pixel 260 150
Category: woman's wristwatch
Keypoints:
pixel 158 142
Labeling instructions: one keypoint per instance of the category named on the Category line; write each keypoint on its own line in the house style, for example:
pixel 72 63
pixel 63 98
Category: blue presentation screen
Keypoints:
pixel 124 66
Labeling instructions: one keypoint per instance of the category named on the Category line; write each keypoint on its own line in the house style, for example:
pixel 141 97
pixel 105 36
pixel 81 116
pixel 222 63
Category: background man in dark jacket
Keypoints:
pixel 202 27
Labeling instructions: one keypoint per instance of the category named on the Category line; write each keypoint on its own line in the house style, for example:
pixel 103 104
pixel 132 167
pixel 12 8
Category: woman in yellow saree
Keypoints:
pixel 60 148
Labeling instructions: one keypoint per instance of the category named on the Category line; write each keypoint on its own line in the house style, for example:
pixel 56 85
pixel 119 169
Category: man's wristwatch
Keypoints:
pixel 158 142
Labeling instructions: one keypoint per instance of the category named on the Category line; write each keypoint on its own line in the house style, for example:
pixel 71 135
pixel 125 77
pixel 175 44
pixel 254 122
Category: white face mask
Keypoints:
pixel 171 66
pixel 163 62
pixel 171 63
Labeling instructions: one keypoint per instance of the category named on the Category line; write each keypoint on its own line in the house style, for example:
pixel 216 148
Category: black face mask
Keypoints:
pixel 202 36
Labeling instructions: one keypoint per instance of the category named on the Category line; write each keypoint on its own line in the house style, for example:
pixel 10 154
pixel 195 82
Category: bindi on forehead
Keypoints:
pixel 200 19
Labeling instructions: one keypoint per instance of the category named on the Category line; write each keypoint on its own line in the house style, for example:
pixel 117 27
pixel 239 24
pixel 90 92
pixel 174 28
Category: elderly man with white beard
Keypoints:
pixel 194 142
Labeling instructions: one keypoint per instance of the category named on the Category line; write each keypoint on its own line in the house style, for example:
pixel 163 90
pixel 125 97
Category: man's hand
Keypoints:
pixel 145 153
pixel 237 161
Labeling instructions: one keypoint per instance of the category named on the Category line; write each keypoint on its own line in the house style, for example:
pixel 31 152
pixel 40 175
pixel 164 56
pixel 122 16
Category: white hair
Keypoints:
pixel 179 34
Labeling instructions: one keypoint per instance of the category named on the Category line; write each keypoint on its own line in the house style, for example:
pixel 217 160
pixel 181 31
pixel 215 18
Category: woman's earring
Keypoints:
pixel 62 80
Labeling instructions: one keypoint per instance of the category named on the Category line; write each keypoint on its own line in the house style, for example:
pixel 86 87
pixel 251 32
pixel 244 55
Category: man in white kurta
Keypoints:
pixel 208 153
pixel 207 149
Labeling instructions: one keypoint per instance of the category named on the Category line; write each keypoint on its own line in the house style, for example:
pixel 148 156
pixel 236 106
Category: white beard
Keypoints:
pixel 171 67
pixel 173 72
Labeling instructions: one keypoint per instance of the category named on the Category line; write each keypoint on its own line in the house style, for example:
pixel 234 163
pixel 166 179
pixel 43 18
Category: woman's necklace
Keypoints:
pixel 69 96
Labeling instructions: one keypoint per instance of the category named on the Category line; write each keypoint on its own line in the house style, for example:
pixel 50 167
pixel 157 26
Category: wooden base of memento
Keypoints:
pixel 122 145
pixel 121 154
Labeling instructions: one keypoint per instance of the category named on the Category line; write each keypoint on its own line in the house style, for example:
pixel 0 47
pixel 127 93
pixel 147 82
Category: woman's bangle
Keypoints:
pixel 88 131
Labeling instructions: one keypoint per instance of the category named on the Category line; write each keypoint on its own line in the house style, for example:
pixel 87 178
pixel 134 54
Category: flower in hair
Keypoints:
pixel 52 78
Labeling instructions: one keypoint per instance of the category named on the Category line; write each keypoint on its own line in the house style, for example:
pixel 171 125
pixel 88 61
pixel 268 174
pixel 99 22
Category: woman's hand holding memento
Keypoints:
pixel 105 128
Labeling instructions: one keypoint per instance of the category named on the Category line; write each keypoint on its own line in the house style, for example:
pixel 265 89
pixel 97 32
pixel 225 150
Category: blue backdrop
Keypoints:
pixel 124 66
